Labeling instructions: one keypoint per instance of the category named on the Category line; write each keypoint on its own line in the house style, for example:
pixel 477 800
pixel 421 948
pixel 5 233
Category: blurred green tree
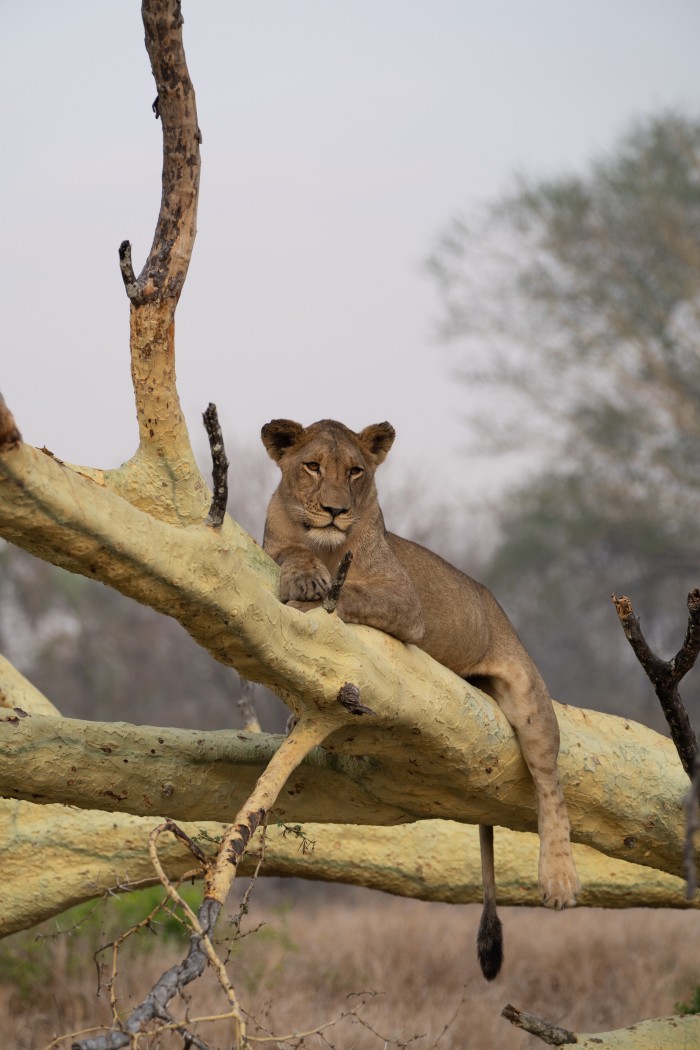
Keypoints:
pixel 578 298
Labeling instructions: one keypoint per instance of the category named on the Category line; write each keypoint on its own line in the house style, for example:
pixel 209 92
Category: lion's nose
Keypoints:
pixel 335 511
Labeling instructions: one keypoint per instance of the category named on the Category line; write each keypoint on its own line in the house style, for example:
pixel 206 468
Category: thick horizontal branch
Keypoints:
pixel 56 856
pixel 661 1033
pixel 434 747
pixel 623 782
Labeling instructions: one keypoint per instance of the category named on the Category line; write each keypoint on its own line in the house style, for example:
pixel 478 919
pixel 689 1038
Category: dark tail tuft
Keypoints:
pixel 489 943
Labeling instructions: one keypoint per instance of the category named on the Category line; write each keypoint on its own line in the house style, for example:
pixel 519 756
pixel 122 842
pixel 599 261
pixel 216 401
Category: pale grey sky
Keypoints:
pixel 339 137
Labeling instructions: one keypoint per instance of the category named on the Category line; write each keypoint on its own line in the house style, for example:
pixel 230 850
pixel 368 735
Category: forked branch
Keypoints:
pixel 665 675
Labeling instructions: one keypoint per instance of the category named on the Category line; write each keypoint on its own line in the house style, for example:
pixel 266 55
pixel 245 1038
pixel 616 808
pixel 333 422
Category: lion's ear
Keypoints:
pixel 377 440
pixel 279 435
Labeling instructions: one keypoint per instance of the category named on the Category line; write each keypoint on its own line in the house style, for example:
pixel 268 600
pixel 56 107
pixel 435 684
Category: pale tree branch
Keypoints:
pixel 623 783
pixel 56 856
pixel 164 273
pixel 669 1033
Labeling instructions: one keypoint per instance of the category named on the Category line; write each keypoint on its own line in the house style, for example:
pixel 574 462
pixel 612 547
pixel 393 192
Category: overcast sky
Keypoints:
pixel 339 138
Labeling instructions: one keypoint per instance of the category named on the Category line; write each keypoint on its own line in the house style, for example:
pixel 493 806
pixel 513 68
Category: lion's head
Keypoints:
pixel 327 473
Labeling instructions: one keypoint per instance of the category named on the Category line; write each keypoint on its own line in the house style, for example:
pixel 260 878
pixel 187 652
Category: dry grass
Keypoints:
pixel 586 970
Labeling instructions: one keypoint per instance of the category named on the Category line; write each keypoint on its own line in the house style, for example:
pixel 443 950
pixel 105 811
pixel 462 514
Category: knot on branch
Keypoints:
pixel 349 698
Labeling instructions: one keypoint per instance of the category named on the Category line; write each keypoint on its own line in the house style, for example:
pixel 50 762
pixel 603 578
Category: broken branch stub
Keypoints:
pixel 219 461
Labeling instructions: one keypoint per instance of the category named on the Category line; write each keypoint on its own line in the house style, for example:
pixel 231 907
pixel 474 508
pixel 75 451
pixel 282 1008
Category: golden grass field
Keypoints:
pixel 406 968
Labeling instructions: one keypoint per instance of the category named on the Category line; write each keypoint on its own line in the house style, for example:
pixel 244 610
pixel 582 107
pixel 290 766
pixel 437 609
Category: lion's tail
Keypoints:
pixel 489 943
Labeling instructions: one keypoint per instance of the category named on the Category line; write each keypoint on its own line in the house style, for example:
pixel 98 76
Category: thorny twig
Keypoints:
pixel 245 899
pixel 153 1007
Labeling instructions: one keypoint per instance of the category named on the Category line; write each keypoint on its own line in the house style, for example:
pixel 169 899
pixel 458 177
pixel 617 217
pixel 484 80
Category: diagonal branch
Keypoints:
pixel 665 675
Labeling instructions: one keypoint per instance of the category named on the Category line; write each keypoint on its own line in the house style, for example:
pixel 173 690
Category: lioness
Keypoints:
pixel 325 505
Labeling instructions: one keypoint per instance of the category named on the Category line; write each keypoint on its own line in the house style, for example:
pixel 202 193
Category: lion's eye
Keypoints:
pixel 355 472
pixel 312 467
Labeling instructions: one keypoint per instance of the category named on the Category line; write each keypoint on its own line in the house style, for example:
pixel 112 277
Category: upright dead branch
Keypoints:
pixel 219 461
pixel 331 599
pixel 665 675
pixel 165 270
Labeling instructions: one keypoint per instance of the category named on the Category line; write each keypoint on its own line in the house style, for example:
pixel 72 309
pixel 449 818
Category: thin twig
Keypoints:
pixel 192 846
pixel 244 902
pixel 219 467
pixel 544 1030
pixel 666 674
pixel 331 599
pixel 173 980
pixel 246 705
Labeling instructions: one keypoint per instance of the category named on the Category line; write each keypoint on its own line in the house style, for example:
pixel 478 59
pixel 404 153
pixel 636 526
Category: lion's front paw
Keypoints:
pixel 309 586
pixel 558 882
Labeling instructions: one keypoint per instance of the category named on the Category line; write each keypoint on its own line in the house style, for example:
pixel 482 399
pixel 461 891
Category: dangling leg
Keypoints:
pixel 525 702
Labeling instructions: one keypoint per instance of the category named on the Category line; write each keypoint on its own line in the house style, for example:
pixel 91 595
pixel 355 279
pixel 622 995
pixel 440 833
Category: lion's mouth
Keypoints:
pixel 328 535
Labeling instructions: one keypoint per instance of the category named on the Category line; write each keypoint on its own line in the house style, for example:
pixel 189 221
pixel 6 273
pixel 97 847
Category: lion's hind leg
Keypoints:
pixel 522 696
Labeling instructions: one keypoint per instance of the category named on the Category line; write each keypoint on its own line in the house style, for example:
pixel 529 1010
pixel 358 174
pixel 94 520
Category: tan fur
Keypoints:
pixel 325 505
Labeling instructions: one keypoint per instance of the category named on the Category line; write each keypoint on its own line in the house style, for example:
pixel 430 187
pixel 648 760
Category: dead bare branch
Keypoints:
pixel 217 510
pixel 544 1030
pixel 665 675
pixel 166 988
pixel 331 599
pixel 163 275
